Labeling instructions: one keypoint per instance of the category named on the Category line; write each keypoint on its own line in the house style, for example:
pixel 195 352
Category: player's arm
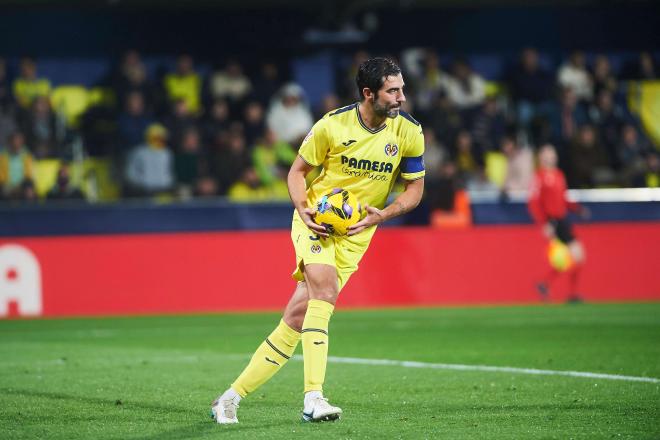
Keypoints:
pixel 577 208
pixel 405 202
pixel 534 206
pixel 298 194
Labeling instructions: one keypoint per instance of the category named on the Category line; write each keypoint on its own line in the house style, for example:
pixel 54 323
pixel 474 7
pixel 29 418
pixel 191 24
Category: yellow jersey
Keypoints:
pixel 364 161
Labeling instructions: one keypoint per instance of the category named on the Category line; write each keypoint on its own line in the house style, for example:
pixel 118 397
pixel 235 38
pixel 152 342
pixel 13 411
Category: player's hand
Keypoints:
pixel 548 231
pixel 374 216
pixel 307 216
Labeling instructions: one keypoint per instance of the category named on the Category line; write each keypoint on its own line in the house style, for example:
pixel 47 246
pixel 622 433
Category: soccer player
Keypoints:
pixel 548 204
pixel 362 148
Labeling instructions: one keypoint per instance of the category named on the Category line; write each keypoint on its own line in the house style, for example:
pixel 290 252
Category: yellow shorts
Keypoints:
pixel 344 253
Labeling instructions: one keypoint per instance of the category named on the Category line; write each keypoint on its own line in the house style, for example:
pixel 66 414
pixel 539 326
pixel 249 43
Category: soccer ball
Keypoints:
pixel 338 210
pixel 559 256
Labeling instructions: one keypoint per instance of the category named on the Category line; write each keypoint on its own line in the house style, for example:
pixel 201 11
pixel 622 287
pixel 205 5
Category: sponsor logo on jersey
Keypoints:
pixel 374 170
pixel 315 249
pixel 349 142
pixel 368 165
pixel 391 150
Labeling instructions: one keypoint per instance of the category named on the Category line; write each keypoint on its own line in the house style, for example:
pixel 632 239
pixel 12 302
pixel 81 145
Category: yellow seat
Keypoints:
pixel 45 175
pixel 644 100
pixel 102 96
pixel 241 192
pixel 98 182
pixel 493 88
pixel 496 168
pixel 70 101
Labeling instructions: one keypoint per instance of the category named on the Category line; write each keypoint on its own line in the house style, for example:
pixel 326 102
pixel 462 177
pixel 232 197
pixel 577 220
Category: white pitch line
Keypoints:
pixel 461 367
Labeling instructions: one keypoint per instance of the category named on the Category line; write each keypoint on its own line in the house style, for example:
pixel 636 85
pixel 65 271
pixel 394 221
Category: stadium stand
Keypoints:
pixel 87 105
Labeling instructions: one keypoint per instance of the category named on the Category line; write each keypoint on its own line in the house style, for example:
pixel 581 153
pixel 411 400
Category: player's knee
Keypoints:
pixel 327 295
pixel 295 316
pixel 295 321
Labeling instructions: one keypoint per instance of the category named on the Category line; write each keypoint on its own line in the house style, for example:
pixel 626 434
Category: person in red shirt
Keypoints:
pixel 549 207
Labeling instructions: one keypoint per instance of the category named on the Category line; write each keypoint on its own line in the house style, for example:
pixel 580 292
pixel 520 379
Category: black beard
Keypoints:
pixel 383 111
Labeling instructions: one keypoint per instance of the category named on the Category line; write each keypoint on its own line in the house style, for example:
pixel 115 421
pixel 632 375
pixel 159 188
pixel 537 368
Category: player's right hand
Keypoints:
pixel 307 216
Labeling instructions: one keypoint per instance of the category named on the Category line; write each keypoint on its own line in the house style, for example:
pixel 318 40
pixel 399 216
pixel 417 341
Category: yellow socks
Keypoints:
pixel 268 359
pixel 276 350
pixel 315 342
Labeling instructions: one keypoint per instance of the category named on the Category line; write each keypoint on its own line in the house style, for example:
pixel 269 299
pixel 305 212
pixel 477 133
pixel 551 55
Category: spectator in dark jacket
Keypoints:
pixel 39 126
pixel 532 87
pixel 590 167
pixel 133 121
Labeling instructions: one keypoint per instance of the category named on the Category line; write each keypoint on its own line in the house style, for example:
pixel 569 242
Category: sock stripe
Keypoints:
pixel 278 351
pixel 320 330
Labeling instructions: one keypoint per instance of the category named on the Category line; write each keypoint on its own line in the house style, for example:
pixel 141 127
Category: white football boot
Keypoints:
pixel 319 410
pixel 223 409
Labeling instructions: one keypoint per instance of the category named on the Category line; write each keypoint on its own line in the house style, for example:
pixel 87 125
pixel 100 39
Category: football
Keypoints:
pixel 559 256
pixel 338 210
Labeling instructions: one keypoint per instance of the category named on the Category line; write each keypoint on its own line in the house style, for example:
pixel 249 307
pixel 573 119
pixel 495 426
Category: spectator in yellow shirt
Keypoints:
pixel 28 86
pixel 184 84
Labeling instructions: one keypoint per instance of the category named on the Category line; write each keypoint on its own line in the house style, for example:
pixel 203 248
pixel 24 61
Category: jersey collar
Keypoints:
pixel 359 117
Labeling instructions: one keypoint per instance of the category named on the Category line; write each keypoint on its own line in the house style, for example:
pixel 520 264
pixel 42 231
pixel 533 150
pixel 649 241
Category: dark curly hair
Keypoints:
pixel 372 73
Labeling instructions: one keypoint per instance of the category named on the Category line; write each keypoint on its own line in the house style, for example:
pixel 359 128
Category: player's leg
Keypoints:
pixel 267 360
pixel 315 258
pixel 294 313
pixel 543 286
pixel 577 251
pixel 324 282
pixel 579 257
pixel 323 289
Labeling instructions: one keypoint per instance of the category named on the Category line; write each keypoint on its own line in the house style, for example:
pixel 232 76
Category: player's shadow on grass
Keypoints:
pixel 124 404
pixel 200 428
pixel 192 430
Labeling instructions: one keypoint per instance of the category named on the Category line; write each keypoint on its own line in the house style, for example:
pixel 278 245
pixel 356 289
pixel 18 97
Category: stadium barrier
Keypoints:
pixel 238 271
pixel 221 214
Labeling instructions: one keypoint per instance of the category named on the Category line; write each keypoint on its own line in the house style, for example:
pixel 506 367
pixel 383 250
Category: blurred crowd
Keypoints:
pixel 232 132
pixel 488 140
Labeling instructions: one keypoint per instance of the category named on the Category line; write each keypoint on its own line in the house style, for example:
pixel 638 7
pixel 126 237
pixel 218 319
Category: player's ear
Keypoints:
pixel 366 92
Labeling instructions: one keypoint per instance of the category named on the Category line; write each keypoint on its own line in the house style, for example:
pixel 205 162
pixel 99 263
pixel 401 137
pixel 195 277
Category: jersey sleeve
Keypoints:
pixel 412 160
pixel 316 144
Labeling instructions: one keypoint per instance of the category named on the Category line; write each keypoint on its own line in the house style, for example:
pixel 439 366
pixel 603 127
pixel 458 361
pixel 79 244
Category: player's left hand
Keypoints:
pixel 374 216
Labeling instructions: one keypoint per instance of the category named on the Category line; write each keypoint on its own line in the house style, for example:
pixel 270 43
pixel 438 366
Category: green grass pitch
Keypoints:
pixel 154 377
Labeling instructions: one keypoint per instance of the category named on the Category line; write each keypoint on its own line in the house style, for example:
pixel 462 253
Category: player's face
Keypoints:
pixel 387 101
pixel 548 158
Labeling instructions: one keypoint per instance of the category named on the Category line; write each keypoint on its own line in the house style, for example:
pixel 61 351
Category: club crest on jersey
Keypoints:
pixel 391 150
pixel 316 249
